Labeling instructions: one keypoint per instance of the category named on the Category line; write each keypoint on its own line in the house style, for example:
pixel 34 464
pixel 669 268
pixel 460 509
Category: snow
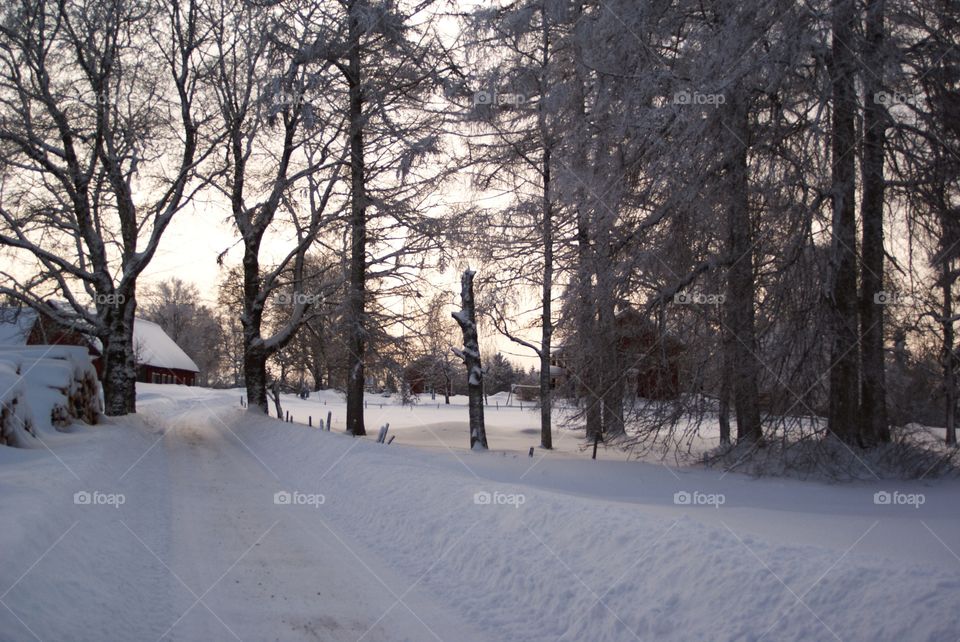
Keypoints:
pixel 440 543
pixel 432 424
pixel 154 347
pixel 15 325
pixel 46 383
pixel 16 417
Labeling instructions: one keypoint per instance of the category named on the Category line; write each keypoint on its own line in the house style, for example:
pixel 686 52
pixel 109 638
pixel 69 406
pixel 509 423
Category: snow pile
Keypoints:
pixel 47 388
pixel 16 421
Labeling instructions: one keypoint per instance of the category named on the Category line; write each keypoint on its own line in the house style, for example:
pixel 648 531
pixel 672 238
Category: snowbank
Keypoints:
pixel 46 388
pixel 16 420
pixel 557 566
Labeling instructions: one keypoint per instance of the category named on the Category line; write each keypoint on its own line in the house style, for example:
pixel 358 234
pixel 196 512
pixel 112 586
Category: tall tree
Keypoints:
pixel 100 120
pixel 740 303
pixel 844 367
pixel 872 414
pixel 524 50
pixel 280 141
pixel 925 141
pixel 390 62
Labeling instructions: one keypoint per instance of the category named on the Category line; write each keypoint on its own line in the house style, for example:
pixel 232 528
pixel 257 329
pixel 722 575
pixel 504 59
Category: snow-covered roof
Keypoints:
pixel 15 325
pixel 155 348
pixel 152 345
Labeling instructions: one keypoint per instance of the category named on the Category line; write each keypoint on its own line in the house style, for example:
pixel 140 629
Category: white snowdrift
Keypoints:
pixel 561 567
pixel 45 388
pixel 16 420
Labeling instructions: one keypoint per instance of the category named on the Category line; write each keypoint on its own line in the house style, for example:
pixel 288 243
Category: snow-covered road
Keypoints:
pixel 185 537
pixel 198 549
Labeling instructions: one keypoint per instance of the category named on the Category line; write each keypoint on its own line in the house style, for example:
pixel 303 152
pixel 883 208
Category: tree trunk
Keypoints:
pixel 844 359
pixel 546 405
pixel 255 379
pixel 275 395
pixel 585 372
pixel 585 362
pixel 610 363
pixel 546 317
pixel 119 360
pixel 949 358
pixel 739 303
pixel 723 410
pixel 357 343
pixel 467 320
pixel 873 388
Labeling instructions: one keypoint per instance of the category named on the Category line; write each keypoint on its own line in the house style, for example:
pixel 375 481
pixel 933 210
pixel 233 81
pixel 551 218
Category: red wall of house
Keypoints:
pixel 151 374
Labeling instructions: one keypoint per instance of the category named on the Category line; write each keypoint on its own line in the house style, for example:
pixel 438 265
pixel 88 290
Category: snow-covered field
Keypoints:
pixel 431 423
pixel 195 520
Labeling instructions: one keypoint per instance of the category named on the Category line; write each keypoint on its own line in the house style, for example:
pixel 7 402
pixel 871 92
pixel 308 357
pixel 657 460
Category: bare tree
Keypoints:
pixel 919 108
pixel 100 120
pixel 175 306
pixel 280 141
pixel 389 62
pixel 521 106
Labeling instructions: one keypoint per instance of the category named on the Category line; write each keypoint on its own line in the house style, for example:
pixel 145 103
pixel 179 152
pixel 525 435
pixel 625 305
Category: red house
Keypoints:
pixel 652 357
pixel 159 358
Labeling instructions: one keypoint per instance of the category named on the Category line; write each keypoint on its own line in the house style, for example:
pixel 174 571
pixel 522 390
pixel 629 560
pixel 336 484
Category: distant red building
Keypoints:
pixel 652 357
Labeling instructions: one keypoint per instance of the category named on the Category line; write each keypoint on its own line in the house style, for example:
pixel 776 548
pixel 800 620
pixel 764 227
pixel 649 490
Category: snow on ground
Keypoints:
pixel 169 525
pixel 431 423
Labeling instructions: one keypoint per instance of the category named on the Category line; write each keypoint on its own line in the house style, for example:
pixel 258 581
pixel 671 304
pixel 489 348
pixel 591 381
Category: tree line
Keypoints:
pixel 772 186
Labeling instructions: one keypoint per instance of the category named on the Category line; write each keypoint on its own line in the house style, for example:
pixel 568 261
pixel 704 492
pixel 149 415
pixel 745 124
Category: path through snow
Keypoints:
pixel 400 548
